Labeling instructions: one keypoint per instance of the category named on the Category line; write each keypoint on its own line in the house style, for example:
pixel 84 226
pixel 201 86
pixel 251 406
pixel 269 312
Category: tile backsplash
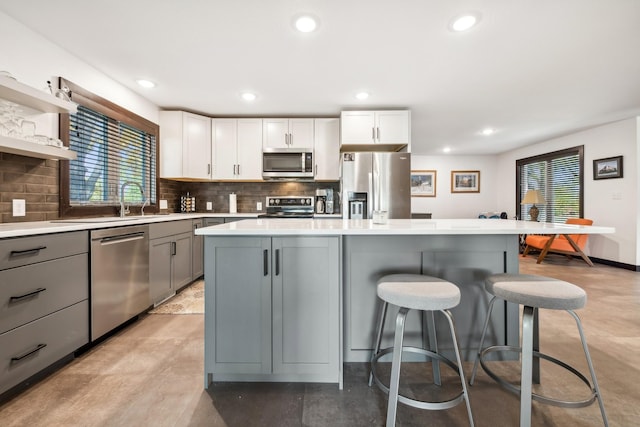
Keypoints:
pixel 36 181
pixel 248 193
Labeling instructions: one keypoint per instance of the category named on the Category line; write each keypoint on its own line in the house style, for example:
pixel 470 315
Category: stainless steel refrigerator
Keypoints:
pixel 376 182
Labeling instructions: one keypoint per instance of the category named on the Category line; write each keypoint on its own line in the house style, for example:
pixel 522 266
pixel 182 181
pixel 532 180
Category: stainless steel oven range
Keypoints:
pixel 289 207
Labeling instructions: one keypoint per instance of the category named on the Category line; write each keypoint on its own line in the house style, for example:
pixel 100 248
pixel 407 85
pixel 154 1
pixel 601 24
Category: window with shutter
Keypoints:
pixel 114 147
pixel 559 177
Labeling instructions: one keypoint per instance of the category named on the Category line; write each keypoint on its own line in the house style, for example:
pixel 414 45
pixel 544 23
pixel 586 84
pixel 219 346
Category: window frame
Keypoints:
pixel 578 150
pixel 113 111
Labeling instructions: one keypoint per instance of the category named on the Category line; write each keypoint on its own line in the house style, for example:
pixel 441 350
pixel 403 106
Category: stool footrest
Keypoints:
pixel 540 398
pixel 407 400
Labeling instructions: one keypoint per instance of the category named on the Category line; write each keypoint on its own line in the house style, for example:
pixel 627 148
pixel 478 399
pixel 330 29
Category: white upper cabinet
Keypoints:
pixel 237 148
pixel 327 149
pixel 287 133
pixel 185 146
pixel 388 127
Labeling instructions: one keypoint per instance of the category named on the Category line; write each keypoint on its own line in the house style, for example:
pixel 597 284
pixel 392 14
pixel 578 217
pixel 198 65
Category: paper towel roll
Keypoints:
pixel 233 207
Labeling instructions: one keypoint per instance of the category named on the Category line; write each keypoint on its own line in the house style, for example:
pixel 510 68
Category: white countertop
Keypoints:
pixel 19 229
pixel 339 227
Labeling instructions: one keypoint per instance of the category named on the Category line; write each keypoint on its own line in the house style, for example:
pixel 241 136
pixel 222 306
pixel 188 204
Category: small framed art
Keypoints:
pixel 423 183
pixel 611 167
pixel 465 181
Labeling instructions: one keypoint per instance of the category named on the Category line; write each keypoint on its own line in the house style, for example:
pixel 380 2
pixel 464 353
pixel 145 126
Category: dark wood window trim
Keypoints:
pixel 579 150
pixel 101 105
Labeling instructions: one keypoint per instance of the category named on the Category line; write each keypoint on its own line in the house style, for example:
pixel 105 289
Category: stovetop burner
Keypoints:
pixel 288 207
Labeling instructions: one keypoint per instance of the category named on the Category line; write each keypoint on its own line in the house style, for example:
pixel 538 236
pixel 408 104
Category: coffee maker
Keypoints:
pixel 321 201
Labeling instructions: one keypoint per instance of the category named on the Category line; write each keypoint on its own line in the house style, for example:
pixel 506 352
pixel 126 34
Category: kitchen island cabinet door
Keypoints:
pixel 237 306
pixel 306 315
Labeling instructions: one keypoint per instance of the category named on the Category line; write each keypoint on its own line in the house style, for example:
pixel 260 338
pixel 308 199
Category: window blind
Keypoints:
pixel 559 177
pixel 109 154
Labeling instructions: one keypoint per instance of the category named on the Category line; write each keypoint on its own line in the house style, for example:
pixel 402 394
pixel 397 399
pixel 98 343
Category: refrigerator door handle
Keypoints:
pixel 372 195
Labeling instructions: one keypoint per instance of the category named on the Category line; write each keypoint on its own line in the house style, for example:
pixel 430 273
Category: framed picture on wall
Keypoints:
pixel 611 167
pixel 465 181
pixel 423 183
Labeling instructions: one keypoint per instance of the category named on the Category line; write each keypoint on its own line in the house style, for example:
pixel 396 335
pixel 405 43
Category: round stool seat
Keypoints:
pixel 536 291
pixel 418 292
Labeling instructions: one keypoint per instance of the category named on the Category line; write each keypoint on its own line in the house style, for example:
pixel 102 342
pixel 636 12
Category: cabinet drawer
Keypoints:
pixel 30 292
pixel 57 335
pixel 169 228
pixel 28 250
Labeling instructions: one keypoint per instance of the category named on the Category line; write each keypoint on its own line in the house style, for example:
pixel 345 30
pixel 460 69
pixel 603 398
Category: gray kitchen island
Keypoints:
pixel 293 299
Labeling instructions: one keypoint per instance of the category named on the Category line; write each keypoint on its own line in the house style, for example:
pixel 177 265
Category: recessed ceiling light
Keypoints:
pixel 306 23
pixel 488 131
pixel 464 22
pixel 362 95
pixel 446 150
pixel 248 96
pixel 146 83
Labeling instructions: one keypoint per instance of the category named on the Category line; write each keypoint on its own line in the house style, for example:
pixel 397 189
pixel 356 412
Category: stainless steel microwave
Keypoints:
pixel 287 164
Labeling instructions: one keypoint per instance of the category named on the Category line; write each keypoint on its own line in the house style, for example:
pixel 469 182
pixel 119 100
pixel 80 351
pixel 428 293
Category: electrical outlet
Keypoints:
pixel 209 206
pixel 19 207
pixel 259 206
pixel 163 204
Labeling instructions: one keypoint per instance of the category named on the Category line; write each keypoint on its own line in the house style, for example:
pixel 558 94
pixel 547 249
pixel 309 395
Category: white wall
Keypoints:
pixel 33 60
pixel 458 205
pixel 609 202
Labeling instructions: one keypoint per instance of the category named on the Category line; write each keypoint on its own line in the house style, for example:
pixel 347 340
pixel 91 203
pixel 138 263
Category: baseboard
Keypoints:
pixel 616 264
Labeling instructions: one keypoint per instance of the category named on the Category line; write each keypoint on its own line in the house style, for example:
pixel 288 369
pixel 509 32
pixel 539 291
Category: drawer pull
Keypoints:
pixel 30 294
pixel 29 353
pixel 28 251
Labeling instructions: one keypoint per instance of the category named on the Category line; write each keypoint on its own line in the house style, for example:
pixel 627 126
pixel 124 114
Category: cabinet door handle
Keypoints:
pixel 373 133
pixel 238 169
pixel 265 262
pixel 378 133
pixel 286 139
pixel 174 248
pixel 32 251
pixel 209 169
pixel 27 354
pixel 27 295
pixel 277 262
pixel 291 139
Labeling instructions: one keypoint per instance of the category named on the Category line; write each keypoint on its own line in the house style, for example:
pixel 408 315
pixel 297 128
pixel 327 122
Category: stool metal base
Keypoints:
pixel 538 397
pixel 527 369
pixel 421 404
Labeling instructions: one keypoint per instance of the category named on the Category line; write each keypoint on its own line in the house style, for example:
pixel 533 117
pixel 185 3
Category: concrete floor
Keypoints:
pixel 151 374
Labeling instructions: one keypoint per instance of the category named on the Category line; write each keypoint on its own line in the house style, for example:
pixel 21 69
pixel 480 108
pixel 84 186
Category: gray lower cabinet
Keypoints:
pixel 272 309
pixel 197 251
pixel 44 315
pixel 170 258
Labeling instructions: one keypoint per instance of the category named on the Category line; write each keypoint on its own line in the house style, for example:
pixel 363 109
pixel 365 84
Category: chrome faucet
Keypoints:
pixel 125 210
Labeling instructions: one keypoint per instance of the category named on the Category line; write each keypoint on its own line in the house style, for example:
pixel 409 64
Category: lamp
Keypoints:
pixel 533 197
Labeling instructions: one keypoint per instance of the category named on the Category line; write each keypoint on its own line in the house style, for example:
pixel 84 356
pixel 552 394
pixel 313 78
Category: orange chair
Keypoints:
pixel 566 244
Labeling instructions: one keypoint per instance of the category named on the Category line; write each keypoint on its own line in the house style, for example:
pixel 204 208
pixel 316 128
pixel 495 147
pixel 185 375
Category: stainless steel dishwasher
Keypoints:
pixel 119 276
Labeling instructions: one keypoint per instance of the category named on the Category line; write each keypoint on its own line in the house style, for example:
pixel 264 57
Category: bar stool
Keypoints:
pixel 428 294
pixel 535 292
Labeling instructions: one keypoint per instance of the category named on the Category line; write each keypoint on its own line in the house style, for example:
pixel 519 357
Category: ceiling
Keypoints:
pixel 531 70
